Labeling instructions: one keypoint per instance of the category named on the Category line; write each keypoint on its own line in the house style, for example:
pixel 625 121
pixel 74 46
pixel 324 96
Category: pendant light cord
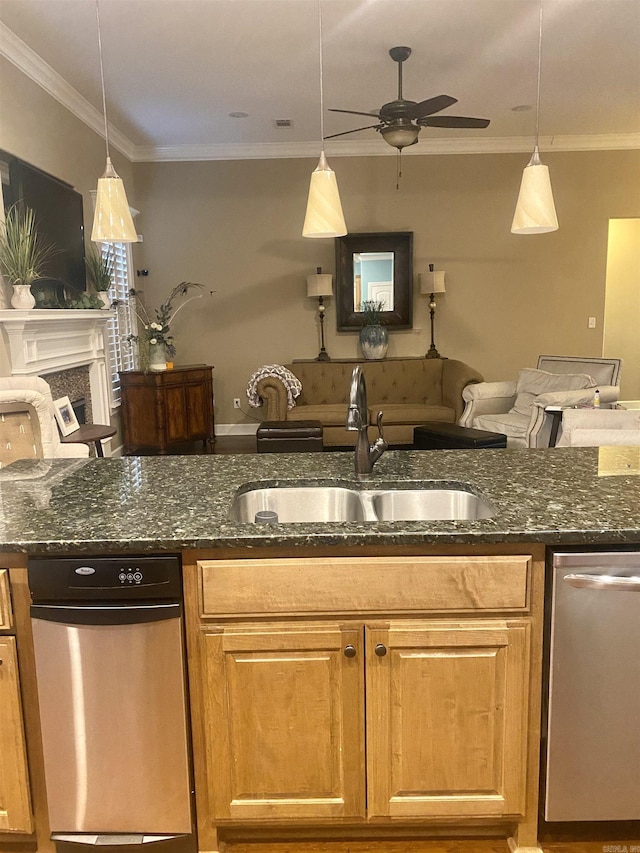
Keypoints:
pixel 321 76
pixel 104 96
pixel 539 76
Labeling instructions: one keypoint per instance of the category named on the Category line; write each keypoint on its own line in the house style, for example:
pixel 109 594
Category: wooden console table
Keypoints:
pixel 165 408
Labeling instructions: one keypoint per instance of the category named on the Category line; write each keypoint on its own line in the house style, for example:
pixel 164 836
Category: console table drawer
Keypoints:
pixel 363 585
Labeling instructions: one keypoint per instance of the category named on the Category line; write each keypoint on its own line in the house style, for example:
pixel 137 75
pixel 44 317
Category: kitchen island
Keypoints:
pixel 388 634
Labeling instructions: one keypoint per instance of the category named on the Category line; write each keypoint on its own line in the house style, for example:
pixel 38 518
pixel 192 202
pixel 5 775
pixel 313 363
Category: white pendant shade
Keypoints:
pixel 535 210
pixel 112 220
pixel 324 217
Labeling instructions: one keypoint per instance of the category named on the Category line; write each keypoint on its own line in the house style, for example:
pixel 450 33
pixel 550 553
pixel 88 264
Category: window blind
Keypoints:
pixel 122 353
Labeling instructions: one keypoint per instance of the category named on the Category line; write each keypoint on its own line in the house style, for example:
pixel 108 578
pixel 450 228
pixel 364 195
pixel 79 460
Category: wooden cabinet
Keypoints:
pixel 165 408
pixel 15 807
pixel 373 716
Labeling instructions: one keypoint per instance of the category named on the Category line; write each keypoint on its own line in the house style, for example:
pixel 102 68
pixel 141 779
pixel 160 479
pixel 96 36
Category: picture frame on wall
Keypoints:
pixel 65 416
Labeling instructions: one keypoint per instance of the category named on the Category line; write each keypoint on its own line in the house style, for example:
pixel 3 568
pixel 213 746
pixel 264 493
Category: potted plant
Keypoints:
pixel 23 253
pixel 155 341
pixel 100 273
pixel 374 336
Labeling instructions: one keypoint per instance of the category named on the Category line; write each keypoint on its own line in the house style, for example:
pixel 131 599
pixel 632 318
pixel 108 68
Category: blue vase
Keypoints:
pixel 374 341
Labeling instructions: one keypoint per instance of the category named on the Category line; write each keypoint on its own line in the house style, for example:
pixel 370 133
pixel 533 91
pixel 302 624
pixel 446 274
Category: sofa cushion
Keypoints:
pixel 510 424
pixel 330 414
pixel 411 413
pixel 531 383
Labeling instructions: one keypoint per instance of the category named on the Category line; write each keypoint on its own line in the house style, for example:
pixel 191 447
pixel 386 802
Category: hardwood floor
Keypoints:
pixel 483 845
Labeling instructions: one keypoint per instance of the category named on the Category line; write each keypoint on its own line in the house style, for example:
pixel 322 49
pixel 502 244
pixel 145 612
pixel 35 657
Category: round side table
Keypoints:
pixel 90 434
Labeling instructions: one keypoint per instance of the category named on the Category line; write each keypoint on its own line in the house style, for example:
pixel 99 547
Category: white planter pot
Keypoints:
pixel 104 297
pixel 22 298
pixel 374 341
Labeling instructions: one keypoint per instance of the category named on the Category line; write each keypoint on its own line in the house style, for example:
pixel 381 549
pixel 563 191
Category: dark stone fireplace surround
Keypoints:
pixel 74 384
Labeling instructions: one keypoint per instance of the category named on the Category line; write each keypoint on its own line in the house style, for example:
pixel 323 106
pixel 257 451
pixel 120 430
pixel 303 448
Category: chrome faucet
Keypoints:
pixel 358 419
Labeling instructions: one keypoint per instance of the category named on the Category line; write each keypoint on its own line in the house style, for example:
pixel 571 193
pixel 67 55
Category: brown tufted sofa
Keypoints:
pixel 409 391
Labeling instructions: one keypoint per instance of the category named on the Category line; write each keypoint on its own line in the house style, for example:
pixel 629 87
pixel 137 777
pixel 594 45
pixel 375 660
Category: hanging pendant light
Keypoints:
pixel 535 210
pixel 112 220
pixel 324 217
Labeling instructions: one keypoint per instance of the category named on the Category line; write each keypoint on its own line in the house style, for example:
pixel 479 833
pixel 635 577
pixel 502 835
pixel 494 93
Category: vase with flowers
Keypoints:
pixel 374 336
pixel 155 340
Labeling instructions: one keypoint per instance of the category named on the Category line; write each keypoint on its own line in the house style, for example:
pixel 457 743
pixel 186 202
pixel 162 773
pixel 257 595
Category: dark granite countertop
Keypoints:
pixel 557 496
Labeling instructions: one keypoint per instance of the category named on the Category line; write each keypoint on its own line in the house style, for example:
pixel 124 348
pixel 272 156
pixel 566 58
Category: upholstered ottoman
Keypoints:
pixel 441 436
pixel 289 436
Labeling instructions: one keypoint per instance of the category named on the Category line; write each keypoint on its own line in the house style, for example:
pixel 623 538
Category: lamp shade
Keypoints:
pixel 432 282
pixel 535 210
pixel 112 220
pixel 320 284
pixel 324 217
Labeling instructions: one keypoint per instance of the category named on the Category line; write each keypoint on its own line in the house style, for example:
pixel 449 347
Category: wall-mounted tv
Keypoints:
pixel 59 214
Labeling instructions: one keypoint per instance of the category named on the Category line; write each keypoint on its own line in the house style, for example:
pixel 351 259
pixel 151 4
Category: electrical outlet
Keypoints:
pixel 592 323
pixel 236 402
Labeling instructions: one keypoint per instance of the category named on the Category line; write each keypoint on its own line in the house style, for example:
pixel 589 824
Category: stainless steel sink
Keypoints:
pixel 314 503
pixel 429 505
pixel 299 504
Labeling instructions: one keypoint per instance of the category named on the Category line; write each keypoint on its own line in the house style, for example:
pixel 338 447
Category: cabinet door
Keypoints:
pixel 15 810
pixel 176 420
pixel 285 722
pixel 199 408
pixel 447 718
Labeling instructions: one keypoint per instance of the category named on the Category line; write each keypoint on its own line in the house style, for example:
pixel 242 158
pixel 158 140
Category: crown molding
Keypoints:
pixel 376 148
pixel 27 60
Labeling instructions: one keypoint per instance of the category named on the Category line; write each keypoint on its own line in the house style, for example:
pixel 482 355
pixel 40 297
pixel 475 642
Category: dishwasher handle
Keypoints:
pixel 613 583
pixel 106 614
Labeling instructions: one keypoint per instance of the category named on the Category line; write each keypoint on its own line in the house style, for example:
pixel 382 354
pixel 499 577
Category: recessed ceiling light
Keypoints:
pixel 282 122
pixel 522 108
pixel 238 115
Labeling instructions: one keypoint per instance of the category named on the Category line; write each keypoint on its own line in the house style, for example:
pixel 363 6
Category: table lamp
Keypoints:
pixel 319 286
pixel 432 282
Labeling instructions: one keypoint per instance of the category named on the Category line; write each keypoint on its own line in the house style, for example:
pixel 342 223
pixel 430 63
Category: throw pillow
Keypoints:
pixel 532 382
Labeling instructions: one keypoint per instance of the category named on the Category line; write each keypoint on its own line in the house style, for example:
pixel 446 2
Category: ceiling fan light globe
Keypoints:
pixel 400 134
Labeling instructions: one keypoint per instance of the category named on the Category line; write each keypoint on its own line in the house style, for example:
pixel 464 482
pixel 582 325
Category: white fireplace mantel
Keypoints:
pixel 47 341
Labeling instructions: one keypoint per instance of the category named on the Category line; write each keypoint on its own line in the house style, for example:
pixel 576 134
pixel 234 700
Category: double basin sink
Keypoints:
pixel 331 503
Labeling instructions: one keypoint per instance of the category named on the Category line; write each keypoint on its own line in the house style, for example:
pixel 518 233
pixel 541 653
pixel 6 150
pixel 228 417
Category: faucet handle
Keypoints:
pixel 379 423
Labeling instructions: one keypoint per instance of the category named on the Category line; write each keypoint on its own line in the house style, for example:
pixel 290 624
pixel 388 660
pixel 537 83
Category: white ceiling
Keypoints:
pixel 175 69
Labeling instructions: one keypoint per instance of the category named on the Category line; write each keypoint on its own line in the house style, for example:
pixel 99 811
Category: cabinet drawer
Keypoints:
pixel 6 620
pixel 369 585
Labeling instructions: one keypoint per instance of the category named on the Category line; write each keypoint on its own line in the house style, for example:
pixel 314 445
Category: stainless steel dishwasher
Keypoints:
pixel 592 734
pixel 109 651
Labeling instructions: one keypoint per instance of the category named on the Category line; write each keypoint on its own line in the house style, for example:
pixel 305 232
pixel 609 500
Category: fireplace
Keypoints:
pixel 68 349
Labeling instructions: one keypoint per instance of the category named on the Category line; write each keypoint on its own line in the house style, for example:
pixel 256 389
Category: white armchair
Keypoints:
pixel 518 409
pixel 600 427
pixel 27 423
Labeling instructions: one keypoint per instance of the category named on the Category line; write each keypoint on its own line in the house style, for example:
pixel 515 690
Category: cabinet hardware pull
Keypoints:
pixel 349 651
pixel 381 650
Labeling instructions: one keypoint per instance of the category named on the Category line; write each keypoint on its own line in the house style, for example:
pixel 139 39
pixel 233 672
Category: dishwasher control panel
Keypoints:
pixel 82 578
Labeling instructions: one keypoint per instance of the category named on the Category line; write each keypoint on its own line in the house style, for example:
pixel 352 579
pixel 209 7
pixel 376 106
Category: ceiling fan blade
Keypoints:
pixel 452 121
pixel 431 105
pixel 355 113
pixel 355 130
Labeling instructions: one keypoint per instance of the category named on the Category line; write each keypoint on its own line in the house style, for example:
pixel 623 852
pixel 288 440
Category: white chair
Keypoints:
pixel 600 428
pixel 518 409
pixel 27 422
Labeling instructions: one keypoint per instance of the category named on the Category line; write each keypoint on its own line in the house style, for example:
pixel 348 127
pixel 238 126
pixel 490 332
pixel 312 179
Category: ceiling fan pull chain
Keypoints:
pixel 398 168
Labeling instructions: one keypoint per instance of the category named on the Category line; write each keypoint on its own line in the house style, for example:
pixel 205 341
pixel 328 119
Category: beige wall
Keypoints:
pixel 622 303
pixel 235 226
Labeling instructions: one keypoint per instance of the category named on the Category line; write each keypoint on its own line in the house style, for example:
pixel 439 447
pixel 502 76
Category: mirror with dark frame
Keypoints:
pixel 374 267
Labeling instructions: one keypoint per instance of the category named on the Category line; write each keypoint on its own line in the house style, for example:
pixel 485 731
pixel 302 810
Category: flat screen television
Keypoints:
pixel 59 214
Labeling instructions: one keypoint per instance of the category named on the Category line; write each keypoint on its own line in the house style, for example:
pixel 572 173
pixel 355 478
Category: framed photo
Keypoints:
pixel 65 416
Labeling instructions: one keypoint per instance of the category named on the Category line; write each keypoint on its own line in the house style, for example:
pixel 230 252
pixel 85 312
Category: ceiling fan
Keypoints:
pixel 400 121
